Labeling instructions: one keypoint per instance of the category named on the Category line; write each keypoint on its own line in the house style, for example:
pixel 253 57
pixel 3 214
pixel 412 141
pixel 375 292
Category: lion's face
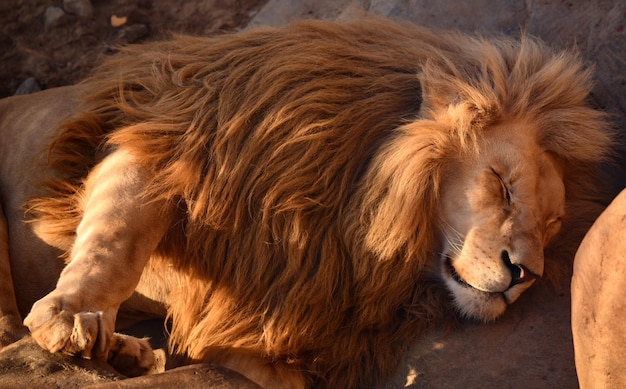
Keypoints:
pixel 501 207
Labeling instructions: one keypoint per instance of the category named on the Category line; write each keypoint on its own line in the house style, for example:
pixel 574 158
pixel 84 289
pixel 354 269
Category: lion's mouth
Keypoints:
pixel 454 275
pixel 461 282
pixel 522 278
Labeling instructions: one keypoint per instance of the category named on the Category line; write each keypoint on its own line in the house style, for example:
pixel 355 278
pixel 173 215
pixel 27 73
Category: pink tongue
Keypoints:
pixel 521 274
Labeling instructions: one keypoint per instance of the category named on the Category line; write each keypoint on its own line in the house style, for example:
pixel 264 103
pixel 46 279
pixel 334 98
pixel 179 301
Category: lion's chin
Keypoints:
pixel 476 304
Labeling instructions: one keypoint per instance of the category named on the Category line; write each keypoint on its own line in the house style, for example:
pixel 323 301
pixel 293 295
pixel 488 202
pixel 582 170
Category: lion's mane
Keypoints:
pixel 306 163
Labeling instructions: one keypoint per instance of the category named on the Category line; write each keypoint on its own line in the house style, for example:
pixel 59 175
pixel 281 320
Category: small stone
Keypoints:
pixel 131 34
pixel 28 86
pixel 82 8
pixel 52 16
pixel 118 21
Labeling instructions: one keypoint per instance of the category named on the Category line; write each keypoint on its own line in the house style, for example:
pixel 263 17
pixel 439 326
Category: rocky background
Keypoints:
pixel 48 43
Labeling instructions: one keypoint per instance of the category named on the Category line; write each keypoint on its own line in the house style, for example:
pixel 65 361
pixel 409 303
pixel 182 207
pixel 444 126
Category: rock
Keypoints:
pixel 29 85
pixel 53 16
pixel 118 21
pixel 82 8
pixel 131 33
pixel 198 376
pixel 281 12
pixel 26 365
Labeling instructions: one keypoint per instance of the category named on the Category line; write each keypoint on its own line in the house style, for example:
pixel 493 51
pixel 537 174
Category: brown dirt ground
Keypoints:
pixel 63 54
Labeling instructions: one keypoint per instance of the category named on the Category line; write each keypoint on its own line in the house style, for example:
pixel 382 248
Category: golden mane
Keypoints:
pixel 305 163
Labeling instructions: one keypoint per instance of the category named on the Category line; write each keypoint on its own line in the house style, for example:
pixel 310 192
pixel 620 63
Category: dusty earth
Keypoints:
pixel 531 346
pixel 61 50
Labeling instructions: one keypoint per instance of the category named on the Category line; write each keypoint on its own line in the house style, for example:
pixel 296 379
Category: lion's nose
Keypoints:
pixel 519 273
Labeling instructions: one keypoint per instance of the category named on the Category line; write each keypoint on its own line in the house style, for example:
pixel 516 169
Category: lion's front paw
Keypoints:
pixel 131 356
pixel 57 327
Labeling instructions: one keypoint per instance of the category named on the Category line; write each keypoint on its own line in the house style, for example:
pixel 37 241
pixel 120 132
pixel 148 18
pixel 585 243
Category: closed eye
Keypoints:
pixel 506 194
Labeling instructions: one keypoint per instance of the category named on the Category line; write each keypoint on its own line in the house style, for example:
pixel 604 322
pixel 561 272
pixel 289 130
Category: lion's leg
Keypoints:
pixel 11 328
pixel 118 232
pixel 267 375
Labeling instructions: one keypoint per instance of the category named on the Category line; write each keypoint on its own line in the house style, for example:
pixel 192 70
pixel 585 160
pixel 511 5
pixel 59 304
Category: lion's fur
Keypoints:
pixel 305 163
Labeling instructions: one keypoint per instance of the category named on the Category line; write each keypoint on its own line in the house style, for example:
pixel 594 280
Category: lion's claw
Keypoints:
pixel 84 334
pixel 89 335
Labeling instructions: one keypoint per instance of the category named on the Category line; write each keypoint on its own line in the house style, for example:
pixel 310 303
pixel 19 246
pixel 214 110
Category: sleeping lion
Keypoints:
pixel 300 202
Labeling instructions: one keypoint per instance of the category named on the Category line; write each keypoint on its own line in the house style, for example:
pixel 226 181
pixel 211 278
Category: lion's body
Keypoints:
pixel 279 191
pixel 598 304
pixel 27 129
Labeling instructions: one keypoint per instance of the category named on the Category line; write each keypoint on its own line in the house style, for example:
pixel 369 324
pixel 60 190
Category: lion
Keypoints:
pixel 300 202
pixel 598 301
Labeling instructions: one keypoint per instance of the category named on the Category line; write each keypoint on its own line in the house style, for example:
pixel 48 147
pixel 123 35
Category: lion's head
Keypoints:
pixel 500 209
pixel 494 163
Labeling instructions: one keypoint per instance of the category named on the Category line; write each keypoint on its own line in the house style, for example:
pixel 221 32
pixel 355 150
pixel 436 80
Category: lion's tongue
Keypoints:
pixel 520 274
